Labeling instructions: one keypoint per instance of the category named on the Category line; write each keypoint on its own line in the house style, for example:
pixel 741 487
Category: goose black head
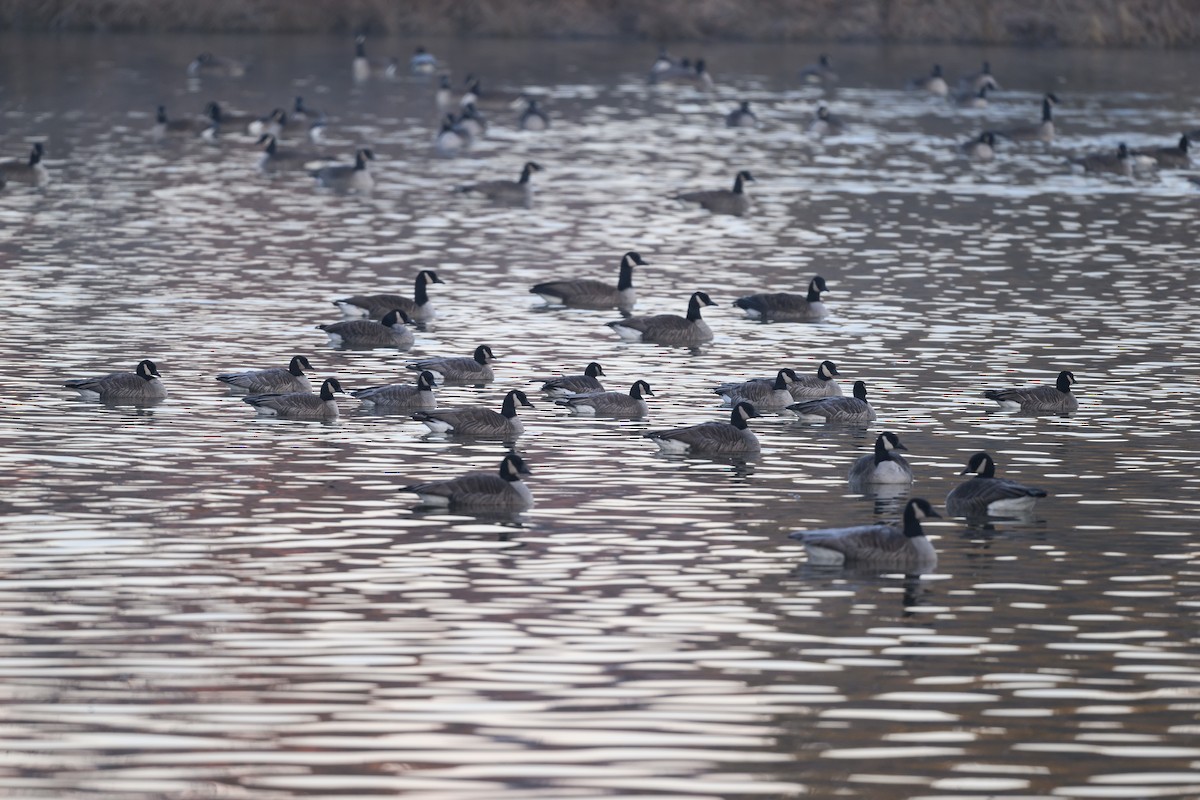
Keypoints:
pixel 520 397
pixel 426 381
pixel 860 390
pixel 697 300
pixel 161 115
pixel 360 46
pixel 428 276
pixel 1122 151
pixel 822 113
pixel 889 441
pixel 594 370
pixel 444 81
pixel 1065 379
pixel 916 510
pixel 1184 144
pixel 824 61
pixel 987 68
pixel 937 71
pixel 513 467
pixel 483 354
pixel 529 168
pixel 746 176
pixel 298 364
pixel 640 389
pixel 147 370
pixel 815 287
pixel 330 386
pixel 394 317
pixel 827 370
pixel 700 66
pixel 745 107
pixel 787 375
pixel 361 156
pixel 980 464
pixel 633 257
pixel 988 138
pixel 743 412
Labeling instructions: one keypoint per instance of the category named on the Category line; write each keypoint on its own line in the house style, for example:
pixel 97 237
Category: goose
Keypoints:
pixel 215 66
pixel 189 126
pixel 452 138
pixel 505 491
pixel 902 548
pixel 533 118
pixel 347 178
pixel 722 201
pixel 826 124
pixel 1118 163
pixel 364 334
pixel 685 73
pixel 1039 399
pixel 741 117
pixel 278 380
pixel 275 160
pixel 374 306
pixel 662 62
pixel 885 465
pixel 360 67
pixel 712 438
pixel 820 71
pixel 609 404
pixel 1042 132
pixel 443 98
pixel 143 385
pixel 973 83
pixel 223 115
pixel 565 385
pixel 272 123
pixel 1176 157
pixel 474 369
pixel 822 384
pixel 299 405
pixel 765 395
pixel 29 170
pixel 470 120
pixel 518 192
pixel 479 420
pixel 785 306
pixel 982 148
pixel 591 293
pixel 973 99
pixel 401 395
pixel 933 83
pixel 669 329
pixel 854 409
pixel 984 493
pixel 422 62
pixel 301 111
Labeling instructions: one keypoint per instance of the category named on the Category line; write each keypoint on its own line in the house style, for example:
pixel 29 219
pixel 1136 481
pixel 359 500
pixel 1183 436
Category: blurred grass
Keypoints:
pixel 1104 23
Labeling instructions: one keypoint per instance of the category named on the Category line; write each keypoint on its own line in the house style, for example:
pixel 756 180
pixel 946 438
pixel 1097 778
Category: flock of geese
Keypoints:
pixel 389 321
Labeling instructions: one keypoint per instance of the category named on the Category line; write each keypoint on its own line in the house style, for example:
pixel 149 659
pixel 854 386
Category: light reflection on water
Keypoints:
pixel 198 601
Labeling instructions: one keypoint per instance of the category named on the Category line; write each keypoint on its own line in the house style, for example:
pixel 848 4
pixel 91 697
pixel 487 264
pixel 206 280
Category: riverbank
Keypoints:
pixel 1069 23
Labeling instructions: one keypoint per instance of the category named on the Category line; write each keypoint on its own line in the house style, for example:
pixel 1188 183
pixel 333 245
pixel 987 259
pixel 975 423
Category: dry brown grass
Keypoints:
pixel 1130 23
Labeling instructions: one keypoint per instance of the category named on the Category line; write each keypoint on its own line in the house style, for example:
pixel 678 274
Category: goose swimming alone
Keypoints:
pixel 142 385
pixel 786 306
pixel 346 177
pixel 503 192
pixel 592 293
pixel 1056 399
pixel 669 329
pixel 902 548
pixel 984 493
pixel 505 491
pixel 31 170
pixel 1041 132
pixel 733 201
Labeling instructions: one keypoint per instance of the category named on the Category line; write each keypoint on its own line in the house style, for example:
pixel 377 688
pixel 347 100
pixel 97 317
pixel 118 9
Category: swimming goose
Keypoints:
pixel 819 72
pixel 609 404
pixel 1118 163
pixel 489 490
pixel 806 387
pixel 902 548
pixel 374 306
pixel 274 159
pixel 1042 132
pixel 188 126
pixel 518 192
pixel 452 138
pixel 470 120
pixel 565 385
pixel 222 115
pixel 28 170
pixel 933 83
pixel 143 385
pixel 479 420
pixel 669 329
pixel 364 334
pixel 473 369
pixel 712 438
pixel 347 178
pixel 722 201
pixel 980 149
pixel 885 465
pixel 685 73
pixel 272 124
pixel 360 67
pixel 741 117
pixel 973 83
pixel 986 494
pixel 826 124
pixel 854 409
pixel 401 395
pixel 662 62
pixel 215 66
pixel 422 62
pixel 301 111
pixel 299 405
pixel 271 381
pixel 1176 157
pixel 766 395
pixel 1039 399
pixel 591 293
pixel 973 99
pixel 533 118
pixel 785 306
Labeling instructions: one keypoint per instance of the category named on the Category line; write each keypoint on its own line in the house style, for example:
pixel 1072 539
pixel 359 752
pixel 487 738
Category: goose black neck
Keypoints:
pixel 693 313
pixel 882 454
pixel 525 173
pixel 360 161
pixel 739 185
pixel 1047 113
pixel 420 293
pixel 912 525
pixel 625 280
pixel 780 381
pixel 295 367
pixel 814 294
pixel 1064 384
pixel 989 469
pixel 739 421
pixel 509 409
pixel 326 391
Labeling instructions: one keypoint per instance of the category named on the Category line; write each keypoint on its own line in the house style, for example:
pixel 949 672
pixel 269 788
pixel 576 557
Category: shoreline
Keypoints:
pixel 1068 23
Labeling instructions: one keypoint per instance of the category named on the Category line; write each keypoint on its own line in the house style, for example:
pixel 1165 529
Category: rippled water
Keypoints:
pixel 199 603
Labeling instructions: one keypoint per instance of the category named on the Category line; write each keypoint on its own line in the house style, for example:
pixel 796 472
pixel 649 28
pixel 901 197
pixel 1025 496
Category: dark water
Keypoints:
pixel 199 603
